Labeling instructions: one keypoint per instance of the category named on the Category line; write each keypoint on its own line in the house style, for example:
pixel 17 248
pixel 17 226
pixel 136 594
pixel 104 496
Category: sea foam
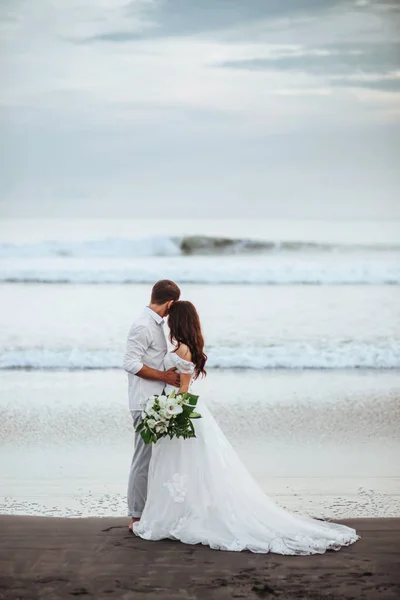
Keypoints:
pixel 341 354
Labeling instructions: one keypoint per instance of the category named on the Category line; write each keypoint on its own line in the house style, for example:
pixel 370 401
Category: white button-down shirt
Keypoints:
pixel 146 345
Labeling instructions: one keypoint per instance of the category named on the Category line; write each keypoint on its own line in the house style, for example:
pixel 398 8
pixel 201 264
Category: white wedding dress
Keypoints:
pixel 199 492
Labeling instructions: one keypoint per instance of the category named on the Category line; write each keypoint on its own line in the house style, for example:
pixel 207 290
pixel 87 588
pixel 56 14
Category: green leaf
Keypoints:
pixel 195 415
pixel 186 410
pixel 147 436
pixel 190 398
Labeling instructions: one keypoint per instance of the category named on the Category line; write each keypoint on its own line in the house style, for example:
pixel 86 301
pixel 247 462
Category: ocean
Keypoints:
pixel 302 327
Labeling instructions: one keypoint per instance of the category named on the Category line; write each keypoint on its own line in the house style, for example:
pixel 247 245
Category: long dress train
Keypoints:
pixel 199 492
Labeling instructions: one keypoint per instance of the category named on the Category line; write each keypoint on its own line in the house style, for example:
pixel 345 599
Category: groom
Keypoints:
pixel 144 361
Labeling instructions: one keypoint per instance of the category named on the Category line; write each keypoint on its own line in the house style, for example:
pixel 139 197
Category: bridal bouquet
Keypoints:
pixel 168 415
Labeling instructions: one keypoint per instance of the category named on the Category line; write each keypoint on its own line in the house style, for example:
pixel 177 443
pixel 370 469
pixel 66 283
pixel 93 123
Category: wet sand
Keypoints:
pixel 318 443
pixel 65 558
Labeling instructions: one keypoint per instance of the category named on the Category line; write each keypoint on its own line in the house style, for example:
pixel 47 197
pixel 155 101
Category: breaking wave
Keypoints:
pixel 342 354
pixel 169 246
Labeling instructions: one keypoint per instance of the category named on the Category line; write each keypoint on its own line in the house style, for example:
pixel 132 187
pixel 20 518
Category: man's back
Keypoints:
pixel 146 345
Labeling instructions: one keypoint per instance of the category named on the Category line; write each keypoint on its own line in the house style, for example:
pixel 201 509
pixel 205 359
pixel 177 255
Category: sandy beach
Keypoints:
pixel 332 452
pixel 302 378
pixel 64 558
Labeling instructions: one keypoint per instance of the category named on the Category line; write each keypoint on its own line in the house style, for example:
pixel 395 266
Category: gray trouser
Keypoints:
pixel 137 484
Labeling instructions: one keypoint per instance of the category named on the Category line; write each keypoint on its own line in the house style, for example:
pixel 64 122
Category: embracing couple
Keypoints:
pixel 197 490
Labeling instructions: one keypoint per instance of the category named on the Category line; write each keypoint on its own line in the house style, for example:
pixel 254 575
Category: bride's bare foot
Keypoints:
pixel 133 520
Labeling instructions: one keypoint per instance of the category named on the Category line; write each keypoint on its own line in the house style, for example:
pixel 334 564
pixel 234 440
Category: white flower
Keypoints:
pixel 164 413
pixel 174 409
pixel 163 400
pixel 144 415
pixel 161 428
pixel 151 423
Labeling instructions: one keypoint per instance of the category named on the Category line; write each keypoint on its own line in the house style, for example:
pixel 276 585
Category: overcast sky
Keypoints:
pixel 209 107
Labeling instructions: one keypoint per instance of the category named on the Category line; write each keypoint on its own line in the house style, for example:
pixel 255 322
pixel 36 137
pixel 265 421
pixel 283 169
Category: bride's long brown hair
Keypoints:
pixel 185 328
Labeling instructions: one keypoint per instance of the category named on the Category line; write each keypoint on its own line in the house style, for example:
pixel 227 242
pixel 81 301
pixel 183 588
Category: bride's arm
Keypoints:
pixel 185 382
pixel 184 352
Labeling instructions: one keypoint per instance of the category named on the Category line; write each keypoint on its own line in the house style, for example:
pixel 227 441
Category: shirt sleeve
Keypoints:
pixel 136 347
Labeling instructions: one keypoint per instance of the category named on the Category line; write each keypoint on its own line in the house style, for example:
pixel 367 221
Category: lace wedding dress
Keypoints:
pixel 199 492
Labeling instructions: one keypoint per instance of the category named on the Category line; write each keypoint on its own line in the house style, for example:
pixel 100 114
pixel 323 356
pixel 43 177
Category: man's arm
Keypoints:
pixel 170 377
pixel 136 347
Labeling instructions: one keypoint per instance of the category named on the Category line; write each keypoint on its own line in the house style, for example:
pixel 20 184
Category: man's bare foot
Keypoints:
pixel 133 520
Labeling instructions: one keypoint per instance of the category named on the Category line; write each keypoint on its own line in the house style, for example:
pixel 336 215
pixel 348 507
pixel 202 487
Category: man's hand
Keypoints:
pixel 171 377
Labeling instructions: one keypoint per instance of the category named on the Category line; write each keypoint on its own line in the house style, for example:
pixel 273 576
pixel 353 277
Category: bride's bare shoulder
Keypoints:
pixel 184 352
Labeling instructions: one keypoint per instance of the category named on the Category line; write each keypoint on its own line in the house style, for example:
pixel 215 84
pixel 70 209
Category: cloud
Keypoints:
pixel 331 59
pixel 109 105
pixel 187 17
pixel 374 65
pixel 384 84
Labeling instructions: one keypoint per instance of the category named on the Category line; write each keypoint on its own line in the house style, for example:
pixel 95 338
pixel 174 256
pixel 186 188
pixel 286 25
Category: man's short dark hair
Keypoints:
pixel 164 291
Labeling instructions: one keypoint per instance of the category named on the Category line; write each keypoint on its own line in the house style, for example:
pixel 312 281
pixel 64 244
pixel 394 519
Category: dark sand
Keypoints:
pixel 53 558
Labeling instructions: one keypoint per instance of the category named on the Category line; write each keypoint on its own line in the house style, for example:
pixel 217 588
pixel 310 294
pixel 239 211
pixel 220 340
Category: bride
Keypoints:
pixel 199 492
